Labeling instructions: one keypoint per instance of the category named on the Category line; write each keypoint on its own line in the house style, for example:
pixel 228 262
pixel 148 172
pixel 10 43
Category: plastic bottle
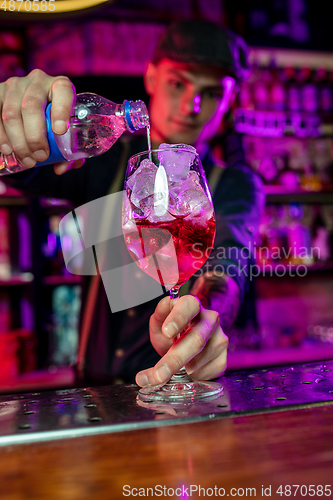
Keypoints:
pixel 93 129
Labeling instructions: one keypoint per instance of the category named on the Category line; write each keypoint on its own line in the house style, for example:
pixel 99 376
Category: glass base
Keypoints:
pixel 180 388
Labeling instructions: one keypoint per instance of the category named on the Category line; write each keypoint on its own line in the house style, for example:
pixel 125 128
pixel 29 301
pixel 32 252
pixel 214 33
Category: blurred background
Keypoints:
pixel 281 125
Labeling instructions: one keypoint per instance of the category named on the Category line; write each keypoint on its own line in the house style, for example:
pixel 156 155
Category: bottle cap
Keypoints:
pixel 55 153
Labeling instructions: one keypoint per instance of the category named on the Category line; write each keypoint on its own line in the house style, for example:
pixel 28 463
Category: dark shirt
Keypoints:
pixel 119 344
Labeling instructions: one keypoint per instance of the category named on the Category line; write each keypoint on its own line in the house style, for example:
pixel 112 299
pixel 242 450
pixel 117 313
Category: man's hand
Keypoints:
pixel 22 123
pixel 202 349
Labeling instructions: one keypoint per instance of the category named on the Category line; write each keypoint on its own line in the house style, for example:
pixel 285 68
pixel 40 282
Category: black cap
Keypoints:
pixel 196 41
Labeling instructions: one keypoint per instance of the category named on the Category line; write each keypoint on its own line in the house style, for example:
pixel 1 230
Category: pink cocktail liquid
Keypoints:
pixel 171 252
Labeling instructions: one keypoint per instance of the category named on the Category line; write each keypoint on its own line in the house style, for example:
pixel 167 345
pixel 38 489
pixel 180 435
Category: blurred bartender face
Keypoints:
pixel 187 101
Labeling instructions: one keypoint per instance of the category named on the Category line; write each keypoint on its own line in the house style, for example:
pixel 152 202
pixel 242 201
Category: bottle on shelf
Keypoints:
pixel 308 90
pixel 325 90
pixel 330 234
pixel 320 237
pixel 248 100
pixel 274 237
pixel 262 251
pixel 93 129
pixel 5 264
pixel 261 88
pixel 289 176
pixel 299 238
pixel 310 180
pixel 292 89
pixel 245 98
pixel 277 89
pixel 51 248
pixel 282 221
pixel 5 312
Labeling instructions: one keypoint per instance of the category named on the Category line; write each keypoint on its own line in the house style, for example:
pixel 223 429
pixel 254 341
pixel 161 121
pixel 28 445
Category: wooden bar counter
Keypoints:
pixel 257 440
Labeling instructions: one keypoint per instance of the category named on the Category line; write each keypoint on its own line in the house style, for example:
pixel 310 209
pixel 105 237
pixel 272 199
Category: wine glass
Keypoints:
pixel 168 224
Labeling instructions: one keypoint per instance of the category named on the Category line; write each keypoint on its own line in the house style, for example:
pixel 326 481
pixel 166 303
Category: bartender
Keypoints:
pixel 191 80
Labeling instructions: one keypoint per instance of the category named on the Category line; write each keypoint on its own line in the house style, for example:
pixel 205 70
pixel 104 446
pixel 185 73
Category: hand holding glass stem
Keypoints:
pixel 167 212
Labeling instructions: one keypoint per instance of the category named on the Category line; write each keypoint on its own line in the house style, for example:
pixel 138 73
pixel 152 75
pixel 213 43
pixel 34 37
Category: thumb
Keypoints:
pixel 64 166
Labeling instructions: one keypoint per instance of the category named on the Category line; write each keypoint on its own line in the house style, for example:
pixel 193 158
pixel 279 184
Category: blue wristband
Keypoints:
pixel 127 105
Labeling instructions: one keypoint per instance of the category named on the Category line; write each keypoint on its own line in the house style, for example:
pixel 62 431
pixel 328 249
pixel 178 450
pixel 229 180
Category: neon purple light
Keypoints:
pixel 51 243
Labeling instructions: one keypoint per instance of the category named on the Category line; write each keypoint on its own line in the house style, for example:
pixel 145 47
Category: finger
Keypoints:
pixel 62 167
pixel 211 361
pixel 186 309
pixel 160 325
pixel 13 129
pixel 33 113
pixel 160 343
pixel 213 369
pixel 78 163
pixel 62 96
pixel 5 146
pixel 206 366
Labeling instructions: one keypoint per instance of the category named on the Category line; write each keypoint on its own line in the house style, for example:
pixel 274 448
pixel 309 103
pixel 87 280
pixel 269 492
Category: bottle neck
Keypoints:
pixel 135 115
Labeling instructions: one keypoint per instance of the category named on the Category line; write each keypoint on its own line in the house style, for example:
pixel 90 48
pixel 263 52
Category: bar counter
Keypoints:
pixel 269 434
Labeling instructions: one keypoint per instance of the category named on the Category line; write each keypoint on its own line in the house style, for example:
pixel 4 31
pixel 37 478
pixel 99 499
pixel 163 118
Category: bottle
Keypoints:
pixel 299 237
pixel 282 222
pixel 292 89
pixel 93 129
pixel 320 237
pixel 309 91
pixel 277 91
pixel 325 91
pixel 261 89
pixel 310 180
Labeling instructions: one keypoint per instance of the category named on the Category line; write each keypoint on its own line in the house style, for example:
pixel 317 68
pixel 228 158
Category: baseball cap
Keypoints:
pixel 197 41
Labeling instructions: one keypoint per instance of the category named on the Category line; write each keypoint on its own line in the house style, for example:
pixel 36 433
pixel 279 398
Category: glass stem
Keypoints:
pixel 181 376
pixel 174 296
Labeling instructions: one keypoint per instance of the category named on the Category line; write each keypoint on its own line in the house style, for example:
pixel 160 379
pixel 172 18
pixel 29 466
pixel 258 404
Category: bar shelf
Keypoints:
pixel 17 280
pixel 280 194
pixel 281 123
pixel 277 267
pixel 70 279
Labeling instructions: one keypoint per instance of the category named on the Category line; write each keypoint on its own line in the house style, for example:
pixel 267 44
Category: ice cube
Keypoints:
pixel 142 207
pixel 192 182
pixel 146 167
pixel 182 196
pixel 176 159
pixel 142 186
pixel 194 203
